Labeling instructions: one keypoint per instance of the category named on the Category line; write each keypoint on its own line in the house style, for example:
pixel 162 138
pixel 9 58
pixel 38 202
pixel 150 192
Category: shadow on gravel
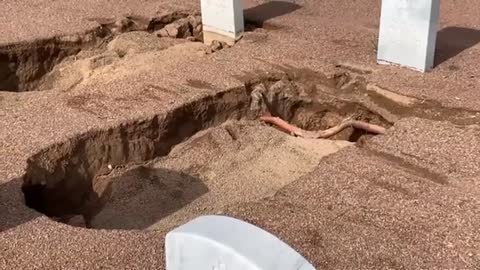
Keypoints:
pixel 13 211
pixel 143 196
pixel 260 14
pixel 452 41
pixel 134 200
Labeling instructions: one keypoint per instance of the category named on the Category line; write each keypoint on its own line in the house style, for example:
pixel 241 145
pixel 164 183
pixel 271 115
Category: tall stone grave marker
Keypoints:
pixel 222 20
pixel 408 33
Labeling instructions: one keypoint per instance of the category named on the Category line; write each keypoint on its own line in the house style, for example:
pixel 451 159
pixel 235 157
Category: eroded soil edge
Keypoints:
pixel 75 177
pixel 26 66
pixel 64 180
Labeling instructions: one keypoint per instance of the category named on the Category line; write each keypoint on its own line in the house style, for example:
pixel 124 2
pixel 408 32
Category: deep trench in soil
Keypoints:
pixel 197 158
pixel 26 66
pixel 30 66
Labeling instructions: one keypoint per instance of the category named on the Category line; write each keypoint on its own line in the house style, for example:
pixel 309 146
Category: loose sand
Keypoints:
pixel 404 200
pixel 234 163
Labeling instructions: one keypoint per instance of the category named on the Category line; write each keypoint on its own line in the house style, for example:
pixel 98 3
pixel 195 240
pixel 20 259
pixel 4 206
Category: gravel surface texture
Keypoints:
pixel 408 199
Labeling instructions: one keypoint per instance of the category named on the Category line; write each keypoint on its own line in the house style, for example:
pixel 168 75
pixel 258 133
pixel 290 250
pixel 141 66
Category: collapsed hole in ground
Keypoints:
pixel 313 116
pixel 198 157
pixel 28 66
pixel 22 67
pixel 303 101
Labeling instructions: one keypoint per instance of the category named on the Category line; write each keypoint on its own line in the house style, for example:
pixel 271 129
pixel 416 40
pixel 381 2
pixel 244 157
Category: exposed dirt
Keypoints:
pixel 128 177
pixel 407 199
pixel 59 180
pixel 22 66
pixel 35 66
pixel 76 178
pixel 216 164
pixel 158 172
pixel 40 65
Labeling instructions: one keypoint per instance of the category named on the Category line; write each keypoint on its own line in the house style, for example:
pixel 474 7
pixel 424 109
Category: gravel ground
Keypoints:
pixel 404 200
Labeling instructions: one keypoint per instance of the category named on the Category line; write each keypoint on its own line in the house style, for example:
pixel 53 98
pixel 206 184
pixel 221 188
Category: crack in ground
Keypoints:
pixel 75 177
pixel 26 66
pixel 65 179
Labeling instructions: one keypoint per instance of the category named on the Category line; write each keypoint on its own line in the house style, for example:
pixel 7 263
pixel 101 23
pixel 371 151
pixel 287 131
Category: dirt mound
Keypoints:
pixel 235 162
pixel 206 166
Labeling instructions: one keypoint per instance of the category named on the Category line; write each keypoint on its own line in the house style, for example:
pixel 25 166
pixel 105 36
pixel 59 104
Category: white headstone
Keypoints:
pixel 222 20
pixel 224 243
pixel 408 33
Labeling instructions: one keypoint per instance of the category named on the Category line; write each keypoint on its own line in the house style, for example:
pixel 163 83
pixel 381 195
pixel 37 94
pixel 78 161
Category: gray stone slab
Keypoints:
pixel 222 20
pixel 408 32
pixel 221 243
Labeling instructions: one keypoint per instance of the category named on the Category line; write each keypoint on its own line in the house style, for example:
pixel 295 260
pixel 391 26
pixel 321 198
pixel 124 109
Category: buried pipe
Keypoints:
pixel 321 134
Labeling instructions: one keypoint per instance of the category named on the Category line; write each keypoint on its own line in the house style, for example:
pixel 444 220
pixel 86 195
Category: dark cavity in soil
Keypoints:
pixel 69 178
pixel 23 66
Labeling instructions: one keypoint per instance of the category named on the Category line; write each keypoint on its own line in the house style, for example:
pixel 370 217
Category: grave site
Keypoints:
pixel 240 134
